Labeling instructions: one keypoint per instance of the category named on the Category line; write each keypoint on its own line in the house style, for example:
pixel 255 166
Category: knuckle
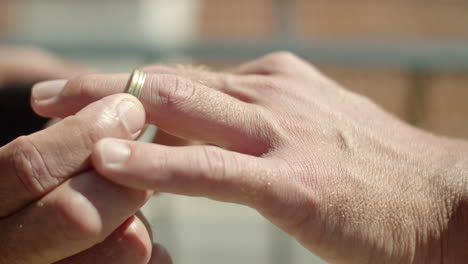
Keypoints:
pixel 158 166
pixel 31 167
pixel 172 90
pixel 283 57
pixel 158 68
pixel 95 123
pixel 86 85
pixel 87 136
pixel 288 63
pixel 272 84
pixel 266 130
pixel 214 164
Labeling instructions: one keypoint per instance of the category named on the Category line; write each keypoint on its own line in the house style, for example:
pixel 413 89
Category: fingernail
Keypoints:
pixel 47 90
pixel 132 116
pixel 114 153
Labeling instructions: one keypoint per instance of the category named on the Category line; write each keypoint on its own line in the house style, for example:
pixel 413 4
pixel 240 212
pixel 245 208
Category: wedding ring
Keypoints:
pixel 136 83
pixel 135 87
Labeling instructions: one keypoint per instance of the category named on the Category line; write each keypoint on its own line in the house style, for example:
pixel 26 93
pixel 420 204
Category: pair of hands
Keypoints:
pixel 45 215
pixel 347 180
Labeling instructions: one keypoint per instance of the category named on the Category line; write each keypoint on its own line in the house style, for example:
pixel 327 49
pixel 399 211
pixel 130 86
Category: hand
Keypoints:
pixel 20 68
pixel 55 208
pixel 350 182
pixel 24 66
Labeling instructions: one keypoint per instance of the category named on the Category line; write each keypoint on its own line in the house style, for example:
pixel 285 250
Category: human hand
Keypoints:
pixel 55 208
pixel 25 65
pixel 20 68
pixel 350 182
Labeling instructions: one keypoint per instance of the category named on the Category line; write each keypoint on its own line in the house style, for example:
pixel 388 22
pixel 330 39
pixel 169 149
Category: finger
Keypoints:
pixel 181 107
pixel 197 74
pixel 67 99
pixel 279 63
pixel 129 244
pixel 77 215
pixel 196 170
pixel 61 98
pixel 27 65
pixel 33 165
pixel 221 81
pixel 160 255
pixel 52 122
pixel 188 71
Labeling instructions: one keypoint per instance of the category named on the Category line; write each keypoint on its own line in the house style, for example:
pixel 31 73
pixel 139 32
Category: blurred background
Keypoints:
pixel 409 56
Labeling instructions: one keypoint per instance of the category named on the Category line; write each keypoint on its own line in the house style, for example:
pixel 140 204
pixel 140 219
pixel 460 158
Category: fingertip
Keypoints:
pixel 112 159
pixel 136 240
pixel 132 114
pixel 45 93
pixel 110 153
pixel 160 255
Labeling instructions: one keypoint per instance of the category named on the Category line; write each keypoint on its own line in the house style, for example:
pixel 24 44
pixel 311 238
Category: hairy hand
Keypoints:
pixel 350 182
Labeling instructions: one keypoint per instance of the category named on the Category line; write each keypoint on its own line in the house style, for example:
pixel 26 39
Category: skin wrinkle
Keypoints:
pixel 184 90
pixel 240 93
pixel 275 181
pixel 83 90
pixel 160 96
pixel 90 135
pixel 262 133
pixel 351 182
pixel 49 174
pixel 21 174
pixel 215 164
pixel 32 176
pixel 28 230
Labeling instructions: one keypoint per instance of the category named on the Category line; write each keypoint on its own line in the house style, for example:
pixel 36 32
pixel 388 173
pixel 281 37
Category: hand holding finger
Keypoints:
pixel 194 170
pixel 184 108
pixel 75 216
pixel 33 165
pixel 349 181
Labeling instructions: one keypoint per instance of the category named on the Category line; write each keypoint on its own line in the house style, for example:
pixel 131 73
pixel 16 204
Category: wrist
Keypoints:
pixel 457 231
pixel 452 189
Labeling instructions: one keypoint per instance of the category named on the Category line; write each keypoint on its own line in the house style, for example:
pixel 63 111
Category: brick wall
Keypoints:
pixel 5 13
pixel 384 19
pixel 388 88
pixel 435 102
pixel 445 104
pixel 240 19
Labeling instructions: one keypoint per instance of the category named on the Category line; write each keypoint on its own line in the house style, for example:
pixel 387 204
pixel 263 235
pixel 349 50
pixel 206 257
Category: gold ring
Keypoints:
pixel 135 87
pixel 136 83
